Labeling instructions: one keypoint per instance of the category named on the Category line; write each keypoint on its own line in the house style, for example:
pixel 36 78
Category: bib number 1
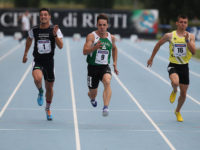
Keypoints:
pixel 44 46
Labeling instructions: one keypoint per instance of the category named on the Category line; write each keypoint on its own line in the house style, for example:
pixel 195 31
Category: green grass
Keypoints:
pixel 197 54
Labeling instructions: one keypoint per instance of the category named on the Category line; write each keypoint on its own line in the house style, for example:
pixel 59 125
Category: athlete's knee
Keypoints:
pixel 37 80
pixel 106 81
pixel 175 83
pixel 37 77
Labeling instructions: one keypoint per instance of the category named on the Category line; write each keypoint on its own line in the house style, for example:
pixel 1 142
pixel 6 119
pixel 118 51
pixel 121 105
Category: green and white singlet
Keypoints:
pixel 101 56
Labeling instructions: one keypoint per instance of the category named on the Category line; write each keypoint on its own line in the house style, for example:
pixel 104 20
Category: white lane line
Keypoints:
pixel 159 57
pixel 11 51
pixel 15 90
pixel 96 110
pixel 99 130
pixel 30 129
pixel 78 147
pixel 144 112
pixel 154 73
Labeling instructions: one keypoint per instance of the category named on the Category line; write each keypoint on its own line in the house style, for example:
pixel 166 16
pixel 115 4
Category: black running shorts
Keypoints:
pixel 182 70
pixel 47 68
pixel 95 74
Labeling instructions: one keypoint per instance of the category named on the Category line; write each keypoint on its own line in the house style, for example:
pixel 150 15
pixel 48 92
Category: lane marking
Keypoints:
pixel 99 110
pixel 154 73
pixel 99 130
pixel 15 90
pixel 11 51
pixel 144 112
pixel 78 147
pixel 159 57
pixel 30 129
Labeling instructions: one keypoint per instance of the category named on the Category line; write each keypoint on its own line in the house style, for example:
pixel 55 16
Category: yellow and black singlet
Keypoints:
pixel 179 52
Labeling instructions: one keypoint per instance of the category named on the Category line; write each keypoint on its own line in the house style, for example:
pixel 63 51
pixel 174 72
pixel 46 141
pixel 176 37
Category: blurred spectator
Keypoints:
pixel 25 26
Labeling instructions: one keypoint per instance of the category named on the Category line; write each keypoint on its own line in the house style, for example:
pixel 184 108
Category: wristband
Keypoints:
pixel 186 41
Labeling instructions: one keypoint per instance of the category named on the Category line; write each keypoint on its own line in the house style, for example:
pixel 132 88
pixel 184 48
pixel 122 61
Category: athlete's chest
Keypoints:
pixel 43 34
pixel 105 44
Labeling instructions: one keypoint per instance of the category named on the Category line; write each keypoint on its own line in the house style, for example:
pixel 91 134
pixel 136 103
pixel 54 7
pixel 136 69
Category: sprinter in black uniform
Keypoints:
pixel 46 38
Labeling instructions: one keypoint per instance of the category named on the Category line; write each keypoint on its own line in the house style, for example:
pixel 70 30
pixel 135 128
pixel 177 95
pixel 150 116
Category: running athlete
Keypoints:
pixel 99 47
pixel 181 48
pixel 46 36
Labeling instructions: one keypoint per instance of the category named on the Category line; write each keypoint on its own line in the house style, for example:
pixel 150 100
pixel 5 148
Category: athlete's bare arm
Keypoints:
pixel 27 47
pixel 88 46
pixel 59 41
pixel 190 39
pixel 165 38
pixel 114 54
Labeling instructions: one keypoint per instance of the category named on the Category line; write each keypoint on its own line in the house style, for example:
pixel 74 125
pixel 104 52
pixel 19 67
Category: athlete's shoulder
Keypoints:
pixel 167 36
pixel 90 36
pixel 169 33
pixel 112 36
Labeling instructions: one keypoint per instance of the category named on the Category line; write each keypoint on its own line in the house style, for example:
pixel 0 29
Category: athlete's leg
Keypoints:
pixel 49 97
pixel 49 92
pixel 93 82
pixel 92 93
pixel 107 88
pixel 182 97
pixel 181 100
pixel 106 93
pixel 37 75
pixel 175 83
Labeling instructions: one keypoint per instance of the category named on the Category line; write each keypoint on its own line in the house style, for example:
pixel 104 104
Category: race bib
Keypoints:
pixel 102 57
pixel 44 46
pixel 179 50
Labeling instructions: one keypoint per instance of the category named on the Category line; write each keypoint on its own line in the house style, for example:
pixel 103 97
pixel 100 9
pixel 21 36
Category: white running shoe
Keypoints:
pixel 105 112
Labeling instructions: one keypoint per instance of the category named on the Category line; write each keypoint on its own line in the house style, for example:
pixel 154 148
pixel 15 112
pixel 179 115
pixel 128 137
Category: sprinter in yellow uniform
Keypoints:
pixel 181 48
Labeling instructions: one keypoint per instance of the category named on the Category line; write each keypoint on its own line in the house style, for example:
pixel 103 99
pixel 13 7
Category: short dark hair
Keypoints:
pixel 45 9
pixel 102 16
pixel 182 16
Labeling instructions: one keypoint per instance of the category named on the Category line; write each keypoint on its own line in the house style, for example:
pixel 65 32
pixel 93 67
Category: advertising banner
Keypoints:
pixel 124 23
pixel 145 21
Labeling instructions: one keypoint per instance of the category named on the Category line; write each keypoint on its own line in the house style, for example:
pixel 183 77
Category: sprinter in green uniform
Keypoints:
pixel 181 48
pixel 99 47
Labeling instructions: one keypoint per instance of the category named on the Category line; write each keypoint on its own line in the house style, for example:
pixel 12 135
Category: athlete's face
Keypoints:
pixel 44 17
pixel 182 23
pixel 102 25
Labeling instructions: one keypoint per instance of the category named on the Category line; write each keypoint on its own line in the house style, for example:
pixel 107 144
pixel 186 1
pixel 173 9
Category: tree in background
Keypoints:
pixel 52 1
pixel 170 9
pixel 103 4
pixel 27 3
